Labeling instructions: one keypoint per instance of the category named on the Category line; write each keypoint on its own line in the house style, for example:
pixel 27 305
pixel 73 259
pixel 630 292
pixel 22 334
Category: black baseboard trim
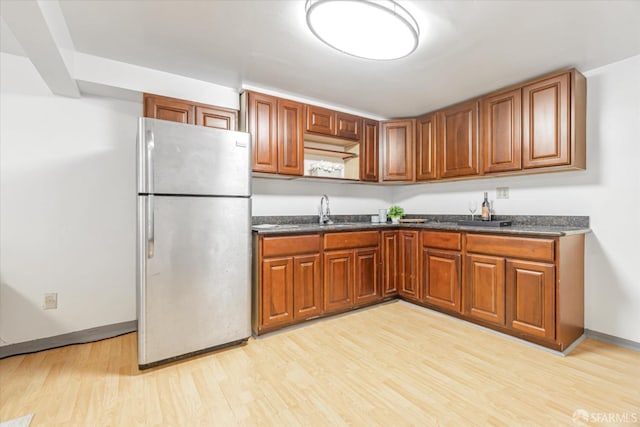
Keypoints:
pixel 611 339
pixel 78 337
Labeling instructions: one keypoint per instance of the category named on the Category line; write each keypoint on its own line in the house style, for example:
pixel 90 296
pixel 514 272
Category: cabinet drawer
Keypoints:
pixel 353 239
pixel 290 245
pixel 514 247
pixel 442 240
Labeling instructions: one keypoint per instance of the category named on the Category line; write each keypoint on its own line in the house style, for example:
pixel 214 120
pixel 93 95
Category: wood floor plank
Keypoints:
pixel 394 364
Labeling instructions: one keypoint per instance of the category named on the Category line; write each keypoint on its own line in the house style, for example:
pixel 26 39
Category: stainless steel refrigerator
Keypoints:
pixel 193 240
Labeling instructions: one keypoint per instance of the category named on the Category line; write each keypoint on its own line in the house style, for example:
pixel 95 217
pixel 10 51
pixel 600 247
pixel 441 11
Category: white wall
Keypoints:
pixel 608 192
pixel 67 207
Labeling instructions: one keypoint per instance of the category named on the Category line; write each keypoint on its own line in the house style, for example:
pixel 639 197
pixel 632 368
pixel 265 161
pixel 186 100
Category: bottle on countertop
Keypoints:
pixel 486 208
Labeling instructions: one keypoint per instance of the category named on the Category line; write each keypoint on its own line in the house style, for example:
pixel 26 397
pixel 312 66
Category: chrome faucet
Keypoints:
pixel 324 211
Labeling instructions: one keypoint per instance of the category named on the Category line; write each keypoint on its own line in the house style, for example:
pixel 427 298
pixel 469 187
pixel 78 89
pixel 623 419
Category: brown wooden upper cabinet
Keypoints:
pixel 398 142
pixel 537 125
pixel 348 126
pixel 320 120
pixel 262 120
pixel 426 162
pixel 173 110
pixel 181 111
pixel 276 130
pixel 553 121
pixel 369 152
pixel 458 140
pixel 216 118
pixel 290 137
pixel 331 123
pixel 501 136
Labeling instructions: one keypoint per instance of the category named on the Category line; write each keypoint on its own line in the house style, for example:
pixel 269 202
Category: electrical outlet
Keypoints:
pixel 502 192
pixel 50 301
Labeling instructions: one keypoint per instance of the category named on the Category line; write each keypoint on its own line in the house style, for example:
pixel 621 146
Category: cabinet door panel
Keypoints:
pixel 545 132
pixel 173 110
pixel 426 148
pixel 290 138
pixel 277 291
pixel 338 280
pixel 501 142
pixel 263 127
pixel 369 152
pixel 485 289
pixel 389 263
pixel 458 140
pixel 216 118
pixel 366 286
pixel 307 287
pixel 348 126
pixel 398 143
pixel 320 120
pixel 531 297
pixel 408 276
pixel 441 278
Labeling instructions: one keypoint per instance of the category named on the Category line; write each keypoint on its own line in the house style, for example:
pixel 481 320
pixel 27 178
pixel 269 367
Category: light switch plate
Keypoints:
pixel 502 192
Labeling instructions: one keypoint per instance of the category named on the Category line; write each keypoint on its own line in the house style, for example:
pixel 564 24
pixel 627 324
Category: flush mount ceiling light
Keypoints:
pixel 364 28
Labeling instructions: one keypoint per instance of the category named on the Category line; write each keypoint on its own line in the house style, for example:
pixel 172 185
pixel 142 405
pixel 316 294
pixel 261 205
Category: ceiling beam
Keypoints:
pixel 41 30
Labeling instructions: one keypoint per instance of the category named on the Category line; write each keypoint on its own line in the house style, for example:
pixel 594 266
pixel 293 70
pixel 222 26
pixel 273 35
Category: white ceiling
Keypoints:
pixel 467 48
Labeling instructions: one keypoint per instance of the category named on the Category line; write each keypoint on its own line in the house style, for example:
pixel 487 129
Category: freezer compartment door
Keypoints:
pixel 175 158
pixel 194 282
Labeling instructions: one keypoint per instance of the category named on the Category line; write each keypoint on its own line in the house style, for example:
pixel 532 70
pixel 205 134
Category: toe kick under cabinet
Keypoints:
pixel 531 287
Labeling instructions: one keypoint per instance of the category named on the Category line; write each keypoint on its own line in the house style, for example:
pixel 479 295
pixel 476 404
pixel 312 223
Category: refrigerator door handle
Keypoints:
pixel 150 145
pixel 150 227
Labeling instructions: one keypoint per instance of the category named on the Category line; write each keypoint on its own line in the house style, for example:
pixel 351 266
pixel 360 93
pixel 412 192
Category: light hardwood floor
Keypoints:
pixel 391 365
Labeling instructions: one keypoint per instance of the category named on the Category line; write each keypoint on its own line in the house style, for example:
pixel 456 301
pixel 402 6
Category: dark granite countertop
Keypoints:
pixel 548 228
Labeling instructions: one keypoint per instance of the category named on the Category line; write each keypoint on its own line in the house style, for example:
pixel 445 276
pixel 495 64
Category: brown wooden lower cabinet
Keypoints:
pixel 277 291
pixel 351 270
pixel 531 297
pixel 530 287
pixel 441 278
pixel 485 288
pixel 307 286
pixel 389 244
pixel 291 289
pixel 338 280
pixel 288 286
pixel 366 284
pixel 441 268
pixel 408 275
